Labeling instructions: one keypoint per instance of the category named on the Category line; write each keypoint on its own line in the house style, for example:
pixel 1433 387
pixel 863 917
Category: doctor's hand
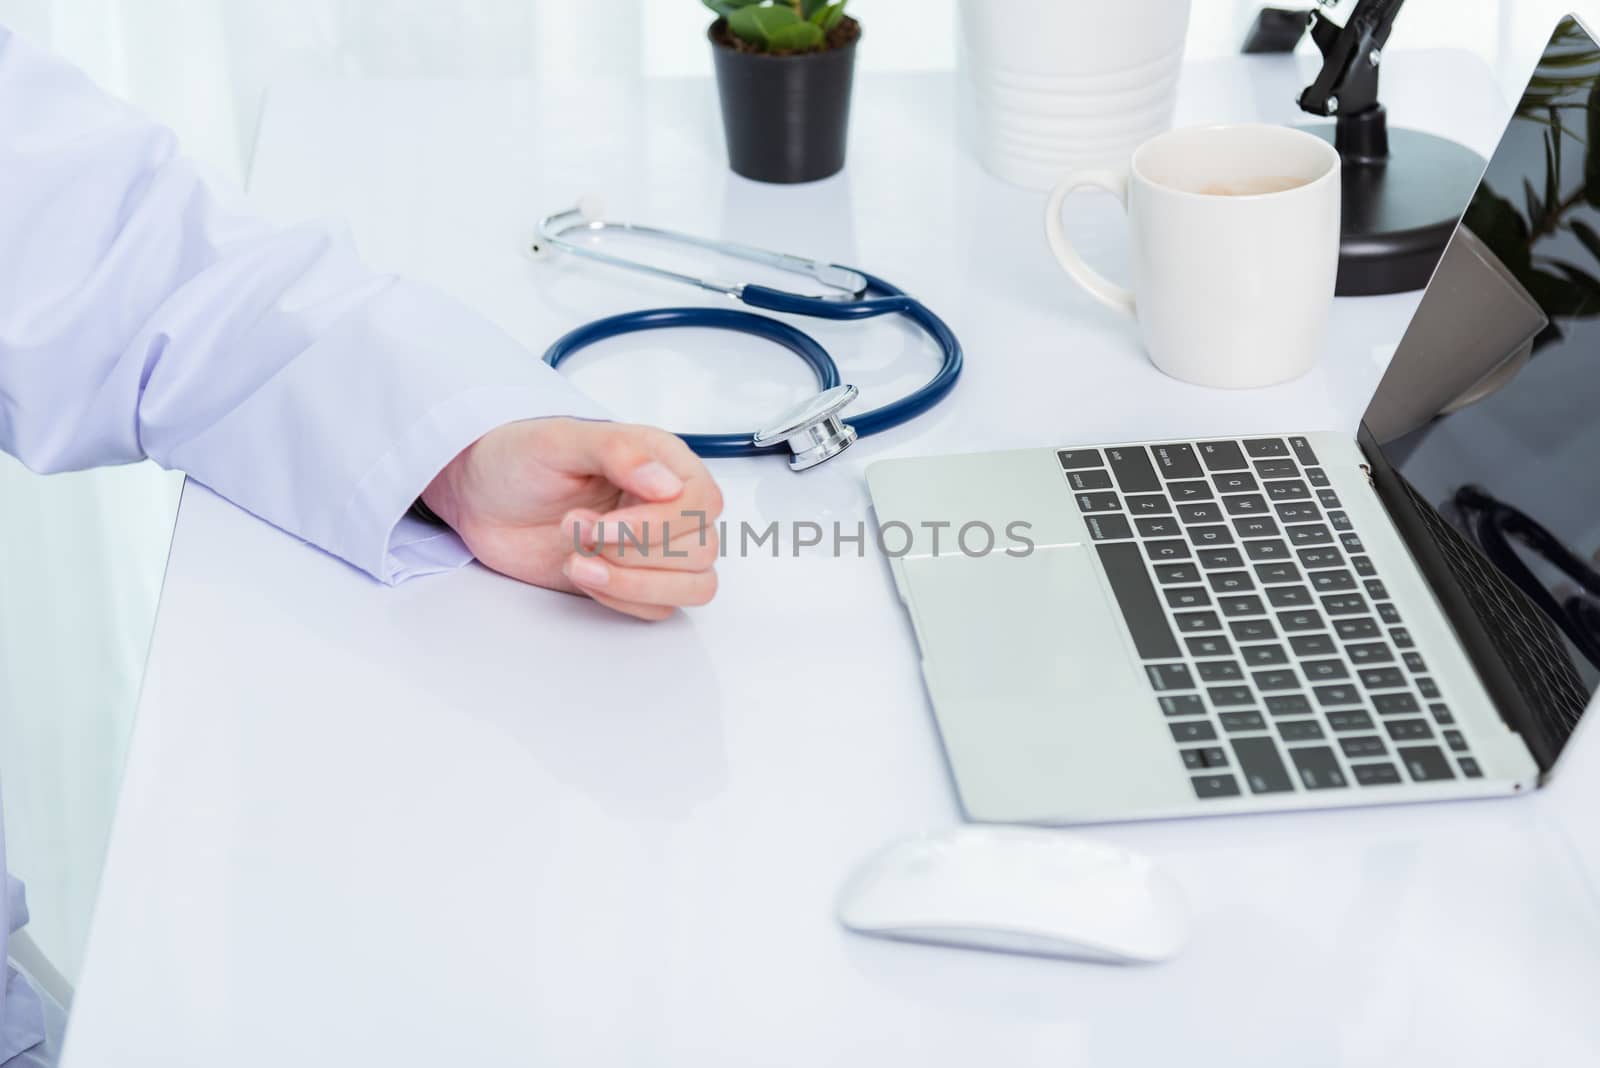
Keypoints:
pixel 520 495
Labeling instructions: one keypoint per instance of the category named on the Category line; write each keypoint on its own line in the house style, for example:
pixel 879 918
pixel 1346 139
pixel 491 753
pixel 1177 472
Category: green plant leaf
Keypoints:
pixel 1497 224
pixel 1589 238
pixel 1561 297
pixel 1530 200
pixel 796 37
pixel 809 9
pixel 1591 162
pixel 829 16
pixel 757 23
pixel 726 8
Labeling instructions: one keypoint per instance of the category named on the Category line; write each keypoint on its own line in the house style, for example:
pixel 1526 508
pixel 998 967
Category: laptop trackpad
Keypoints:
pixel 1043 707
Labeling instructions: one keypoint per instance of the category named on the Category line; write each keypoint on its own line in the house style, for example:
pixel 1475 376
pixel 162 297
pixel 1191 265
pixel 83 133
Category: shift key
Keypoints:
pixel 1263 768
pixel 1131 465
pixel 1136 596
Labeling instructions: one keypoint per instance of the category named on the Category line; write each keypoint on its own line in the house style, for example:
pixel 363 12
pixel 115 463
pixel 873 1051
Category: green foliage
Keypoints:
pixel 781 25
pixel 1564 97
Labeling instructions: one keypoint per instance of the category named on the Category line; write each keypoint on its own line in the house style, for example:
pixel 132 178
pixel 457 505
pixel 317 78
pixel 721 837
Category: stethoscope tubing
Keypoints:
pixel 880 298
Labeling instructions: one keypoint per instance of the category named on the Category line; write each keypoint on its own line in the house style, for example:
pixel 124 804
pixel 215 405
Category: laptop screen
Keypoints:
pixel 1490 409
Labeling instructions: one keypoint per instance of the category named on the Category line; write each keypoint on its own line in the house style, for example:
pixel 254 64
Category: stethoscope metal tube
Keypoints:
pixel 813 430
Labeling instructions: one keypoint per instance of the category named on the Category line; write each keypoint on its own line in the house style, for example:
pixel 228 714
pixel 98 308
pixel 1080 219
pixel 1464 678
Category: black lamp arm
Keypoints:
pixel 1348 82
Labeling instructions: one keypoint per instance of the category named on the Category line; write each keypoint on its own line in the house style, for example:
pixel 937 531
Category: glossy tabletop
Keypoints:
pixel 467 822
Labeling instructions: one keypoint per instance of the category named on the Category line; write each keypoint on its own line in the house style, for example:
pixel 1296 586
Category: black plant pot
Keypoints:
pixel 785 116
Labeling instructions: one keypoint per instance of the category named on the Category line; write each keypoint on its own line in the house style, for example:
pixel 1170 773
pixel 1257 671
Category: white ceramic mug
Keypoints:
pixel 1232 286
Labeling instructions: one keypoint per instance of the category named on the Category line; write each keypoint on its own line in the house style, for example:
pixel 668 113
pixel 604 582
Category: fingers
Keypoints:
pixel 651 464
pixel 665 537
pixel 639 586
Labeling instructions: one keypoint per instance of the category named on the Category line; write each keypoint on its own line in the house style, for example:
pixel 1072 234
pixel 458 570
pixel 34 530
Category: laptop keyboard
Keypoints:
pixel 1274 651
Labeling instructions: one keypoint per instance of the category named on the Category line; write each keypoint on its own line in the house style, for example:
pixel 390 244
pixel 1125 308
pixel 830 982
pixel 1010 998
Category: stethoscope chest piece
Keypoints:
pixel 812 429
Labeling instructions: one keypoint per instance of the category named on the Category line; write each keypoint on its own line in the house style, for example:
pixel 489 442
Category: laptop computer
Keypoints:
pixel 1305 620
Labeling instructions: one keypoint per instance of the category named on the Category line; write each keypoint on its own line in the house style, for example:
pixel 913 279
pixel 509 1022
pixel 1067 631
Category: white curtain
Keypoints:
pixel 81 556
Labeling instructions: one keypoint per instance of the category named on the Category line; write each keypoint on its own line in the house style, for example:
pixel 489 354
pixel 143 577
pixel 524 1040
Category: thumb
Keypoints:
pixel 632 458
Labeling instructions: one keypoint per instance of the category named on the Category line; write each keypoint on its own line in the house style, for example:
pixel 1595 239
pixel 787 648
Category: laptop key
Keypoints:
pixel 1310 534
pixel 1230 581
pixel 1316 476
pixel 1262 767
pixel 1160 526
pixel 1177 461
pixel 1388 678
pixel 1289 704
pixel 1209 646
pixel 1302 450
pixel 1092 478
pixel 1214 756
pixel 1312 559
pixel 1289 596
pixel 1199 513
pixel 1193 760
pixel 1172 574
pixel 1288 490
pixel 1340 521
pixel 1369 653
pixel 1241 606
pixel 1350 719
pixel 1400 636
pixel 1298 513
pixel 1428 688
pixel 1352 543
pixel 1234 482
pixel 1375 774
pixel 1276 680
pixel 1255 527
pixel 1388 612
pixel 1186 596
pixel 1209 786
pixel 1185 704
pixel 1327 581
pixel 1252 630
pixel 1327 498
pixel 1219 671
pixel 1162 551
pixel 1304 619
pixel 1456 741
pixel 1325 670
pixel 1441 714
pixel 1198 730
pixel 1076 458
pixel 1098 502
pixel 1245 504
pixel 1376 590
pixel 1135 473
pixel 1318 767
pixel 1149 505
pixel 1395 704
pixel 1169 676
pixel 1344 604
pixel 1364 566
pixel 1313 645
pixel 1211 559
pixel 1230 696
pixel 1270 549
pixel 1408 730
pixel 1280 572
pixel 1189 491
pixel 1136 597
pixel 1222 456
pixel 1205 537
pixel 1264 655
pixel 1236 722
pixel 1362 745
pixel 1195 622
pixel 1356 629
pixel 1276 468
pixel 1108 527
pixel 1341 694
pixel 1266 448
pixel 1469 768
pixel 1425 763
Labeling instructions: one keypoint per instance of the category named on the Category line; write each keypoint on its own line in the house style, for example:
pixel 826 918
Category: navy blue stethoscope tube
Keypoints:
pixel 880 298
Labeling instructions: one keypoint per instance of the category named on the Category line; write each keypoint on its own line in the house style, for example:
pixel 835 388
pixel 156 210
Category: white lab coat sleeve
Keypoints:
pixel 141 316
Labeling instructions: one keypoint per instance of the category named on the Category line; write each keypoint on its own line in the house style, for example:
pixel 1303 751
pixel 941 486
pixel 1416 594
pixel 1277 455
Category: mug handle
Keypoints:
pixel 1108 293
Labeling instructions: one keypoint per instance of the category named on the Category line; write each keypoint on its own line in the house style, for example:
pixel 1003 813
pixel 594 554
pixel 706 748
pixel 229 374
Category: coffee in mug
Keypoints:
pixel 1235 250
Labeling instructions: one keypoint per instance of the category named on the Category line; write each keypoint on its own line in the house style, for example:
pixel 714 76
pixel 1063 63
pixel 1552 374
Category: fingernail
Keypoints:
pixel 657 480
pixel 586 572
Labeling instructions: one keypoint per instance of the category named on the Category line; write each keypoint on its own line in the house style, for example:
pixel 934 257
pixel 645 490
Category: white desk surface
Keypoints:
pixel 466 822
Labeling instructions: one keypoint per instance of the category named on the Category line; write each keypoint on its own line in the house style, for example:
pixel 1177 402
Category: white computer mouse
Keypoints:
pixel 1019 890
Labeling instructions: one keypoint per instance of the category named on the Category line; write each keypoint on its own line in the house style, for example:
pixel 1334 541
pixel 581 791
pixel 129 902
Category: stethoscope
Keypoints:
pixel 813 429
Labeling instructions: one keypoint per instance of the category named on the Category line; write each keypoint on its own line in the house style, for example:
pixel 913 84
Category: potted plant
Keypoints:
pixel 784 69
